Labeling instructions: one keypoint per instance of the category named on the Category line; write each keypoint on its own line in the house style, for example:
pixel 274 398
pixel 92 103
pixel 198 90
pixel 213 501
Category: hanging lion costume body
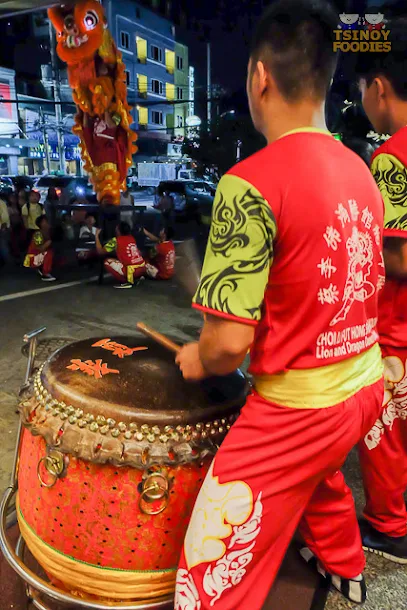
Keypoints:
pixel 97 76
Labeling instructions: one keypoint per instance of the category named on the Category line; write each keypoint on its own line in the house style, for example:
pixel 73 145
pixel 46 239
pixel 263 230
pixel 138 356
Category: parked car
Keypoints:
pixel 193 198
pixel 67 187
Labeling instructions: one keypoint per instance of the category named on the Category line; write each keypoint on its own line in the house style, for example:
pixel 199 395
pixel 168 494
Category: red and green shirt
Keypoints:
pixel 126 250
pixel 164 259
pixel 389 168
pixel 295 250
pixel 37 241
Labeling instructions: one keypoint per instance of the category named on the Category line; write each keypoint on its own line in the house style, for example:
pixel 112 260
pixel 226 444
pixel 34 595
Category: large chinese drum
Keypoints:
pixel 115 448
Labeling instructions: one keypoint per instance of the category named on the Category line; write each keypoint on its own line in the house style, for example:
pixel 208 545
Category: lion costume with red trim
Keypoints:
pixel 96 74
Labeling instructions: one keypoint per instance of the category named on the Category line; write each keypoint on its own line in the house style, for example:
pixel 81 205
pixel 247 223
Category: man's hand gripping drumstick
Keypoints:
pixel 221 349
pixel 196 372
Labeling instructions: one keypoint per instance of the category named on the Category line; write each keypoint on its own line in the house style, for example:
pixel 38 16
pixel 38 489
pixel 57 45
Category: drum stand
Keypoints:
pixel 36 587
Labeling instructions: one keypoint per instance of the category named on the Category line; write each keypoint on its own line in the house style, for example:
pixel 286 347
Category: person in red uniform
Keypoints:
pixel 161 262
pixel 128 264
pixel 383 452
pixel 40 255
pixel 292 272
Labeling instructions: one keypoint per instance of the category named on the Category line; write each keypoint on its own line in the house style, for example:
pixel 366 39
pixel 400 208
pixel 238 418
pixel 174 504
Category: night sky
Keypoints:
pixel 229 25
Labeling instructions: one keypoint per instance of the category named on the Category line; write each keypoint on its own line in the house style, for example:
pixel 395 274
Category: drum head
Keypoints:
pixel 133 379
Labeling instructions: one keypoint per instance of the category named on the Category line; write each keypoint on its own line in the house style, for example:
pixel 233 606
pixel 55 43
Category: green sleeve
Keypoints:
pixel 239 253
pixel 38 238
pixel 391 177
pixel 111 245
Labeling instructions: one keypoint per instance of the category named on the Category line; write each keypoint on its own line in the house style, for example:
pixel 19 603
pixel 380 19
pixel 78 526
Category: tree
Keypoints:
pixel 218 149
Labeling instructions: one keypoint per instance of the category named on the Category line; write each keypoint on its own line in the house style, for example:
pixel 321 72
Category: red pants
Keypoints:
pixel 120 271
pixel 41 261
pixel 383 452
pixel 278 468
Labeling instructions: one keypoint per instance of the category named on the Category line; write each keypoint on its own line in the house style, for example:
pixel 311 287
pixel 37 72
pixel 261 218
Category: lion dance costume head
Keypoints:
pixel 97 77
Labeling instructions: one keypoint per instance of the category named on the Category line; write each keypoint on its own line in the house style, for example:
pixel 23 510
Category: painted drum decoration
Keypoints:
pixel 115 448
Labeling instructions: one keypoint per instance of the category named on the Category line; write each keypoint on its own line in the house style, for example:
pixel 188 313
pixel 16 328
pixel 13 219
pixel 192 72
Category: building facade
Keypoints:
pixel 148 46
pixel 9 150
pixel 157 74
pixel 181 79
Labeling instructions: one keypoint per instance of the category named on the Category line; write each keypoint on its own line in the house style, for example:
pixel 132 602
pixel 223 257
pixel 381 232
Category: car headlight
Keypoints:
pixel 80 190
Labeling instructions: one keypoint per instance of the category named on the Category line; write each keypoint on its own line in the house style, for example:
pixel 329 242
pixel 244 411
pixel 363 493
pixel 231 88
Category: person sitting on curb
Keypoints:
pixel 128 267
pixel 160 264
pixel 40 254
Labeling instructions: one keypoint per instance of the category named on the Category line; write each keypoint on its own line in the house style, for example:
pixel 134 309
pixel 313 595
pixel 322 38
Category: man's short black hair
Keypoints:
pixel 90 215
pixel 391 64
pixel 124 228
pixel 295 40
pixel 40 220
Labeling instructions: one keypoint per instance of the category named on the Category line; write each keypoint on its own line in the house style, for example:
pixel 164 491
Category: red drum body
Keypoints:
pixel 111 464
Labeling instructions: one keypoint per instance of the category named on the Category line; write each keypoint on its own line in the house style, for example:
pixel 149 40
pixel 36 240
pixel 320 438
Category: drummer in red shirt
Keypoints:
pixel 128 265
pixel 161 262
pixel 292 272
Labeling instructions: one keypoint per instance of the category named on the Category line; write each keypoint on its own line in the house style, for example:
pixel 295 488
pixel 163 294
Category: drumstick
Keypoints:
pixel 158 338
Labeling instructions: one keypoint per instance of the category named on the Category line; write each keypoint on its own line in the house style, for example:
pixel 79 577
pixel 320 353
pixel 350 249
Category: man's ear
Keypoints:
pixel 381 85
pixel 262 78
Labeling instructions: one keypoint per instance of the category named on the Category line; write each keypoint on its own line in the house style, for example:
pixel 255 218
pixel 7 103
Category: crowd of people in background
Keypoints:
pixel 36 235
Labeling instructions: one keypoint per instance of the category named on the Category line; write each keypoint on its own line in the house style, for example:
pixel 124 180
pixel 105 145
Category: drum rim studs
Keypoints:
pixel 47 412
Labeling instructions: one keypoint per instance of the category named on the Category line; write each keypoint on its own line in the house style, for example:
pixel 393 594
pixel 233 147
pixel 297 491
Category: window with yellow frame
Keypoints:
pixel 170 61
pixel 142 116
pixel 141 44
pixel 142 85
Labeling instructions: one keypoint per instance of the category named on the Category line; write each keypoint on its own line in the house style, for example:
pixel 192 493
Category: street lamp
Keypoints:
pixel 224 114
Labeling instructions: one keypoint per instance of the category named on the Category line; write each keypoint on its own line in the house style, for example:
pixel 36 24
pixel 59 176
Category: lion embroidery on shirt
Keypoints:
pixel 357 287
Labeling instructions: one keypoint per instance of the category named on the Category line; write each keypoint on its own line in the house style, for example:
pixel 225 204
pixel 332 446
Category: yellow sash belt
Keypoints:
pixel 322 387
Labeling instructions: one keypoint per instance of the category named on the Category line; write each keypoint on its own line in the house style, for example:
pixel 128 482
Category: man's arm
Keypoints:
pixel 150 236
pixel 233 282
pixel 391 177
pixel 45 246
pixel 222 348
pixel 99 248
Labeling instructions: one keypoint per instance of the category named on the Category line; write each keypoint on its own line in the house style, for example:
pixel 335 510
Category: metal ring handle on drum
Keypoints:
pixel 41 587
pixel 164 494
pixel 45 460
pixel 54 464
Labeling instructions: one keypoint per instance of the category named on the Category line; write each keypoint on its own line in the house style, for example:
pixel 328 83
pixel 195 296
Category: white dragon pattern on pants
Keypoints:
pixel 222 512
pixel 395 399
pixel 230 569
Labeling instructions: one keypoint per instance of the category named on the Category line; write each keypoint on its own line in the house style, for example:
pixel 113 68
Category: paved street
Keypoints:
pixel 77 307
